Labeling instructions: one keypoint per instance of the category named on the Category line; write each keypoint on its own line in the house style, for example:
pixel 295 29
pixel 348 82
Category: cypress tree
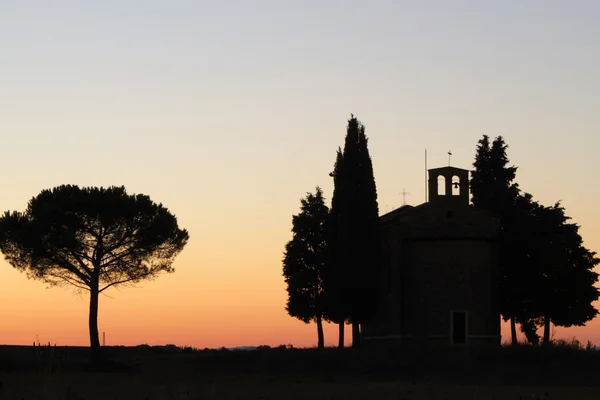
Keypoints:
pixel 493 189
pixel 359 245
pixel 491 182
pixel 332 284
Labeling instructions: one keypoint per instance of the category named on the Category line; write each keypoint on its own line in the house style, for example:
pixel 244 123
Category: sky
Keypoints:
pixel 229 112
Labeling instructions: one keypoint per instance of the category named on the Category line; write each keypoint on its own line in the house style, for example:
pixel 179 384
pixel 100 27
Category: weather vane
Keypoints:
pixel 449 155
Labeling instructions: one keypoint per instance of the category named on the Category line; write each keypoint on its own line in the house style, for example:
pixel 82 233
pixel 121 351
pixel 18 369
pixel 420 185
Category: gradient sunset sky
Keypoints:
pixel 228 112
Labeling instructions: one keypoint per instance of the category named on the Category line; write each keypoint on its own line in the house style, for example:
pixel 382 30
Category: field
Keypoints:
pixel 286 373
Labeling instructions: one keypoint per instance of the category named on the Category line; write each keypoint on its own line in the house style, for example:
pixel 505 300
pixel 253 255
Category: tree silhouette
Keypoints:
pixel 91 238
pixel 491 183
pixel 564 291
pixel 304 261
pixel 546 274
pixel 493 189
pixel 332 282
pixel 359 246
pixel 520 272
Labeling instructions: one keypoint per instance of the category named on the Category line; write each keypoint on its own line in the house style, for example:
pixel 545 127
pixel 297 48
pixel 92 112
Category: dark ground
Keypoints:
pixel 174 373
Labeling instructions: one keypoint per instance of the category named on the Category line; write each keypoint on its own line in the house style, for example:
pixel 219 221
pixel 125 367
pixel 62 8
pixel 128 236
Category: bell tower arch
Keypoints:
pixel 455 186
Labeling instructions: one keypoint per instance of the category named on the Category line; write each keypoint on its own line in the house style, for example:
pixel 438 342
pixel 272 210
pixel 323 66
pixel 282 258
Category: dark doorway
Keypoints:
pixel 459 327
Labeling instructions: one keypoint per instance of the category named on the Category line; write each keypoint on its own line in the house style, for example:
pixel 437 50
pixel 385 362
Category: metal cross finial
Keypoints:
pixel 403 193
pixel 449 155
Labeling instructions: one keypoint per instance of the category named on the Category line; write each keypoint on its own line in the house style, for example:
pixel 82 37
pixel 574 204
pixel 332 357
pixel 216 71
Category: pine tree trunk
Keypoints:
pixel 341 335
pixel 320 335
pixel 513 331
pixel 546 331
pixel 93 322
pixel 355 335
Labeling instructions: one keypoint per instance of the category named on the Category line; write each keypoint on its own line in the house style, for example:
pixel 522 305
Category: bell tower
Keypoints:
pixel 449 184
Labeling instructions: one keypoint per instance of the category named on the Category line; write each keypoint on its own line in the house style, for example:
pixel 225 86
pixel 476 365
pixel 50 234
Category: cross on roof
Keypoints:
pixel 403 193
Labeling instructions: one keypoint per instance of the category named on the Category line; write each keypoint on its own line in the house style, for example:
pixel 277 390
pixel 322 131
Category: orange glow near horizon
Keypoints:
pixel 192 307
pixel 227 289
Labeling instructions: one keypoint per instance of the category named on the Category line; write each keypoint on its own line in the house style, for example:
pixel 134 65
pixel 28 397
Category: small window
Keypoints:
pixel 459 327
pixel 441 181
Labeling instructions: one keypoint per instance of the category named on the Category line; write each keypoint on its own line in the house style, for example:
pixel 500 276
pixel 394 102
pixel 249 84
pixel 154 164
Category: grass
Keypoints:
pixel 107 387
pixel 565 371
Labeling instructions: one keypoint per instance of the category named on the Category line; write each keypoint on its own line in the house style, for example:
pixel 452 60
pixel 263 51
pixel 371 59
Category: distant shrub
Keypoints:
pixel 189 349
pixel 571 344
